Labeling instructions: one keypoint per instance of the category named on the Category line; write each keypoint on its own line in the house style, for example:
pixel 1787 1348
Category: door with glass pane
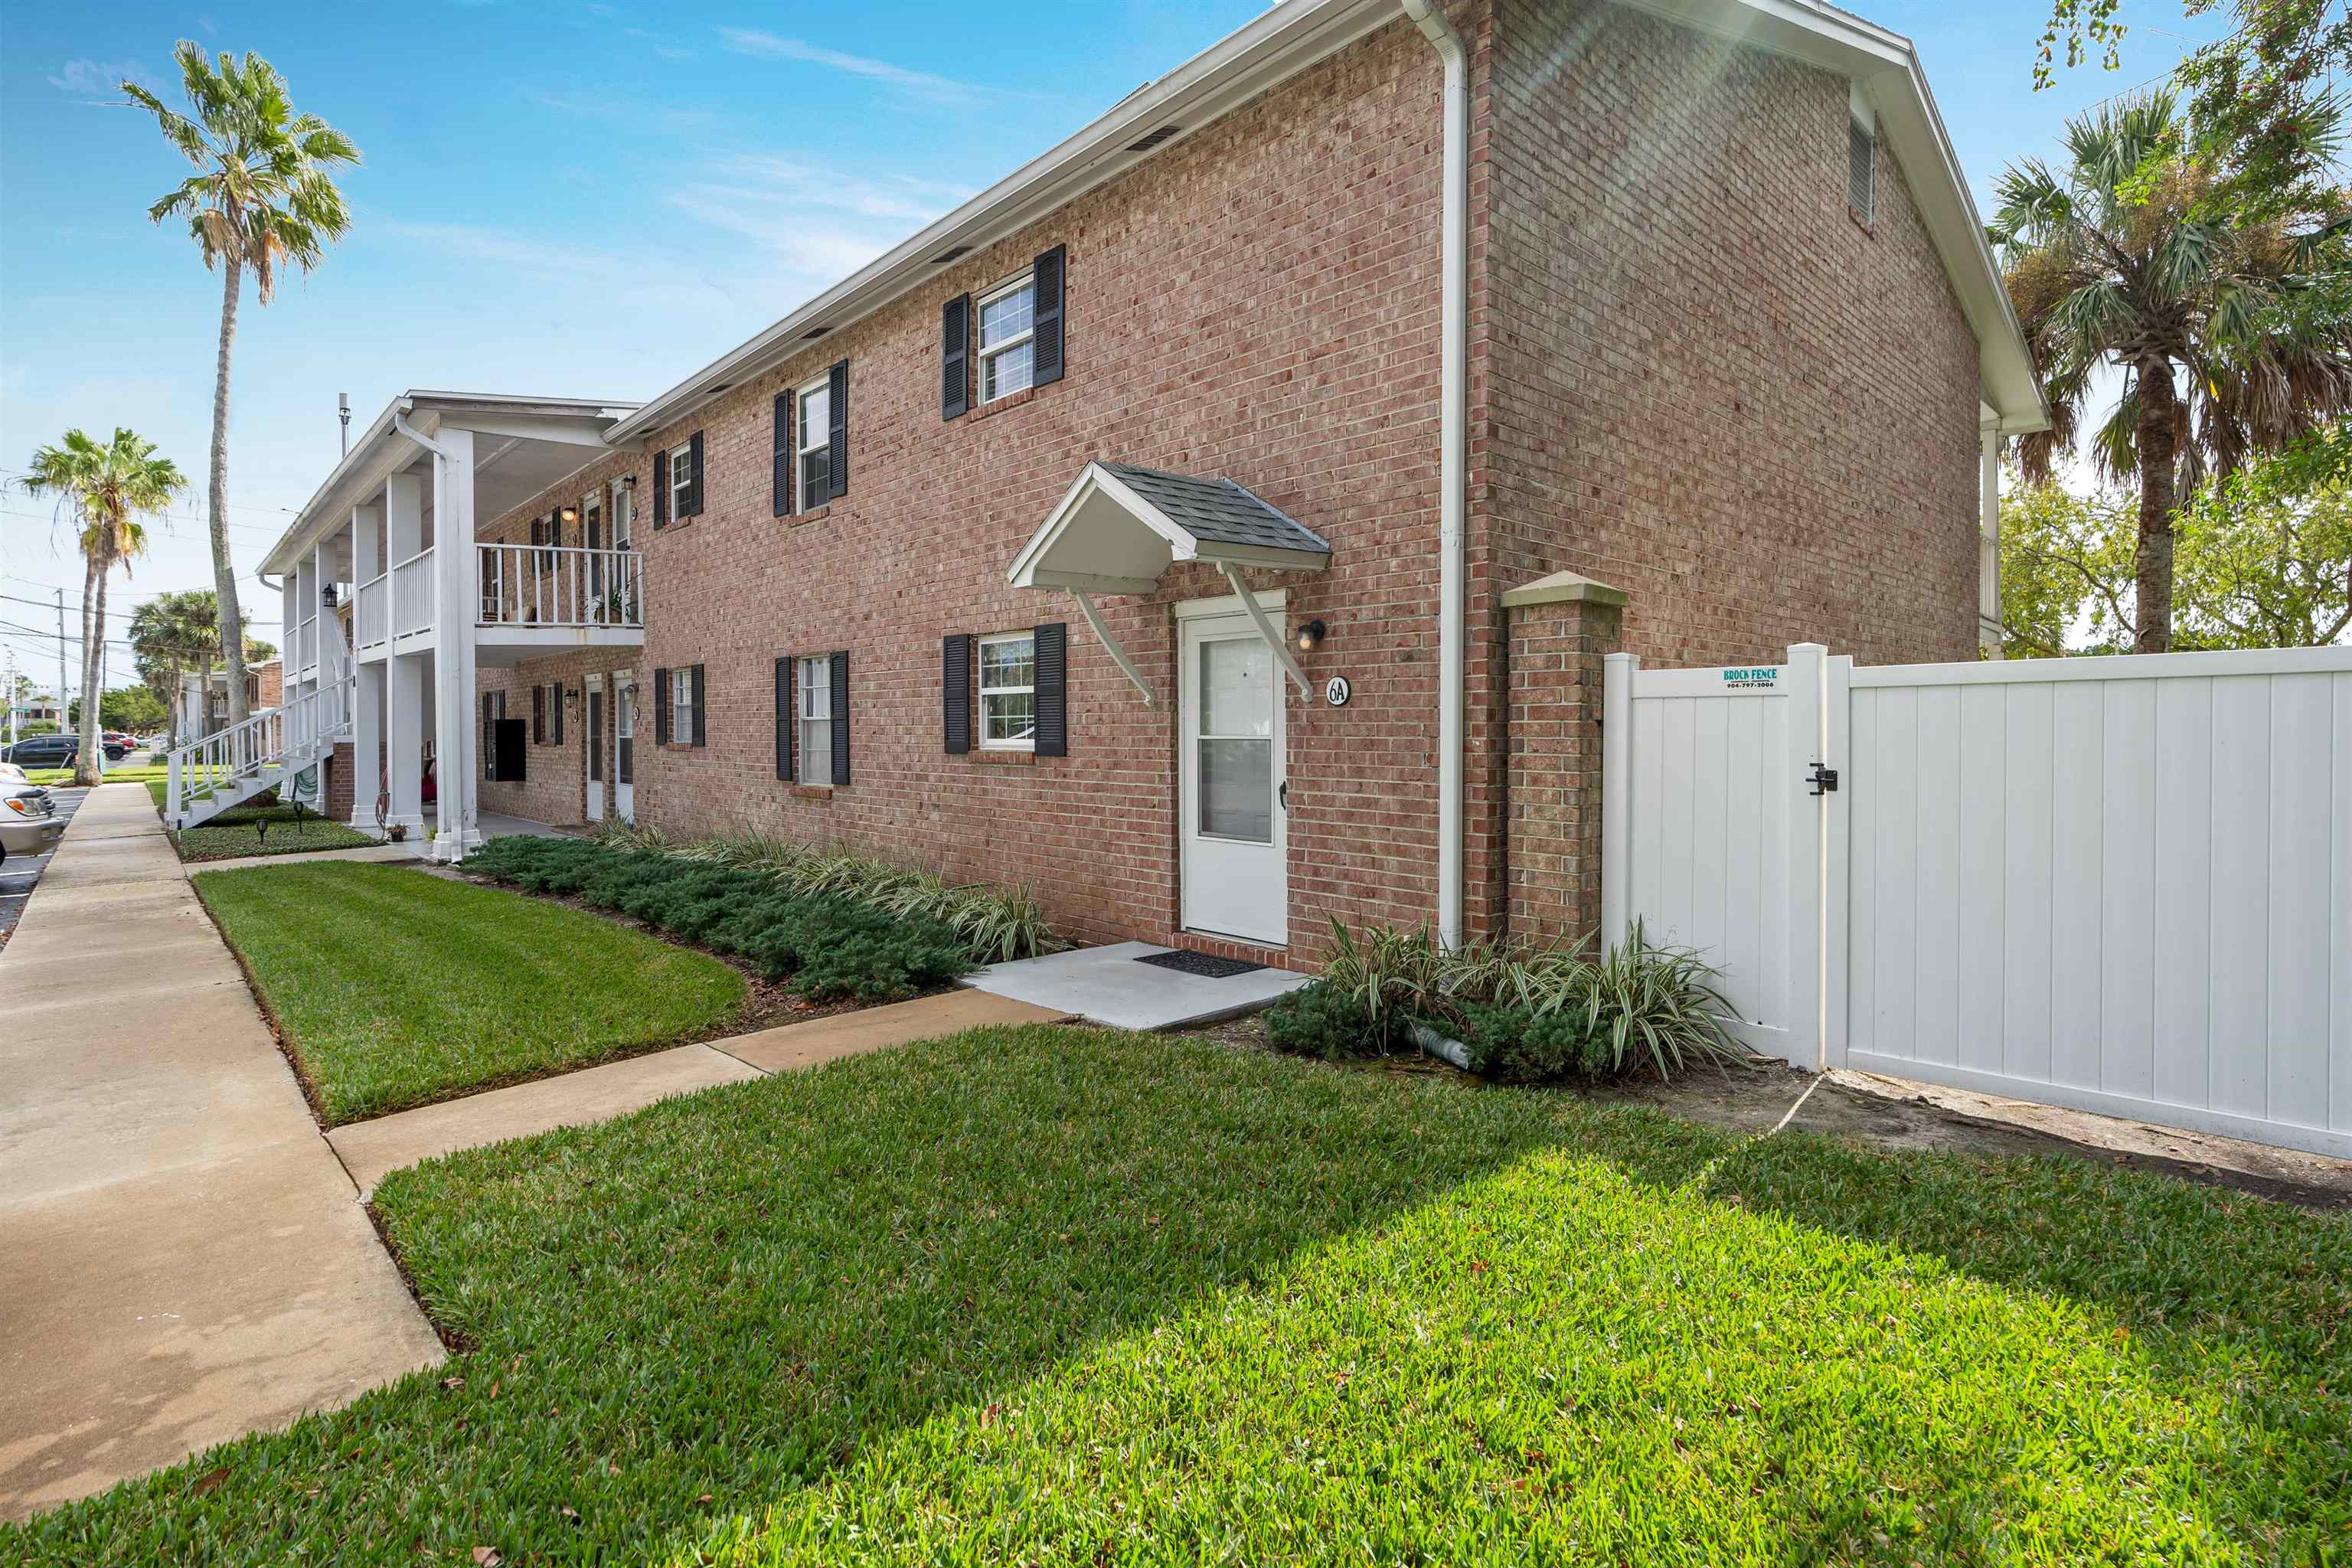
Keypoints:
pixel 1236 880
pixel 596 748
pixel 624 748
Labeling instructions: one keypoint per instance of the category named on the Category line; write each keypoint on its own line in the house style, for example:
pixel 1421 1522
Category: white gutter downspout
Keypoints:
pixel 1453 460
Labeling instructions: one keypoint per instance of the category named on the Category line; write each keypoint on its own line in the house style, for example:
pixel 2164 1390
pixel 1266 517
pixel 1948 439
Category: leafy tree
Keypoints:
pixel 262 199
pixel 107 488
pixel 2265 559
pixel 2253 93
pixel 2135 256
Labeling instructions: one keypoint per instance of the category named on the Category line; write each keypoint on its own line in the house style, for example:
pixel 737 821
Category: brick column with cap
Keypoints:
pixel 1560 628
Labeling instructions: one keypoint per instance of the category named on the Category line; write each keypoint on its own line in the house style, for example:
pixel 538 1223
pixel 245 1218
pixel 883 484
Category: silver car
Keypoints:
pixel 29 823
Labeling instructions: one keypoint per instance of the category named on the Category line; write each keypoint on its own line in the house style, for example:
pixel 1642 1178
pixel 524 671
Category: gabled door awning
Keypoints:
pixel 1120 527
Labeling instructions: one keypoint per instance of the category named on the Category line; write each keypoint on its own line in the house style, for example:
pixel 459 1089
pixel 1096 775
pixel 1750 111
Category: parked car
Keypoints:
pixel 46 751
pixel 29 823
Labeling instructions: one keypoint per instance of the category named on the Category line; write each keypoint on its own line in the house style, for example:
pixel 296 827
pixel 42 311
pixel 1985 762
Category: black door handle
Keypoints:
pixel 1282 792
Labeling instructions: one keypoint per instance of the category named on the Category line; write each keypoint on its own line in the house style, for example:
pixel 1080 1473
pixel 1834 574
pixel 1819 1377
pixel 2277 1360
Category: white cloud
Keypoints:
pixel 92 78
pixel 901 197
pixel 922 85
pixel 822 255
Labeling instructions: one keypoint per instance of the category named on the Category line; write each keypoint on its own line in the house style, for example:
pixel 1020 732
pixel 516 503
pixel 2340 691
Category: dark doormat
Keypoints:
pixel 1206 965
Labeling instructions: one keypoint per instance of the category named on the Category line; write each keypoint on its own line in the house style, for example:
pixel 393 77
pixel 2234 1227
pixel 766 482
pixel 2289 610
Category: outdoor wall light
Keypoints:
pixel 567 514
pixel 629 481
pixel 1310 635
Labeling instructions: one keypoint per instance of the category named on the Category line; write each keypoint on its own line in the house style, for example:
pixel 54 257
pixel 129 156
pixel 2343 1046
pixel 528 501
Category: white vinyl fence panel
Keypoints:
pixel 2122 885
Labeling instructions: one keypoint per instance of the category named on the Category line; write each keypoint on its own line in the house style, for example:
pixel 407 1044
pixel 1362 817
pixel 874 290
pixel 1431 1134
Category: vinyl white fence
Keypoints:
pixel 2122 885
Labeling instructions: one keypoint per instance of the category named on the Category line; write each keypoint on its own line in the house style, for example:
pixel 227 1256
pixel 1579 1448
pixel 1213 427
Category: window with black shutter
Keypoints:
pixel 955 356
pixel 1045 359
pixel 555 714
pixel 539 715
pixel 661 706
pixel 697 696
pixel 955 691
pixel 1052 694
pixel 784 717
pixel 841 718
pixel 661 490
pixel 838 428
pixel 782 479
pixel 694 486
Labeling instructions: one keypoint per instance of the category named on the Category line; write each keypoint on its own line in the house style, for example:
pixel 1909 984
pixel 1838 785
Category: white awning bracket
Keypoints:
pixel 1118 654
pixel 1269 631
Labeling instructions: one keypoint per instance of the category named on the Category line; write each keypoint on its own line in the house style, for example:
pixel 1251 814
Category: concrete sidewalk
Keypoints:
pixel 183 1259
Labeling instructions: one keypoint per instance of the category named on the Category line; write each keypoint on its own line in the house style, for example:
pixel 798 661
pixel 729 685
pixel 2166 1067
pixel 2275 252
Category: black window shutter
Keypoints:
pixel 489 741
pixel 784 459
pixel 697 705
pixel 783 719
pixel 661 489
pixel 1053 680
pixel 694 482
pixel 836 389
pixel 955 691
pixel 539 715
pixel 555 711
pixel 1045 359
pixel 955 356
pixel 661 706
pixel 841 718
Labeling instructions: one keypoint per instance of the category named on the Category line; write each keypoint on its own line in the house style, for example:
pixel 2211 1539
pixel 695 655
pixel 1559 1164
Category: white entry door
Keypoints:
pixel 1236 881
pixel 595 811
pixel 624 743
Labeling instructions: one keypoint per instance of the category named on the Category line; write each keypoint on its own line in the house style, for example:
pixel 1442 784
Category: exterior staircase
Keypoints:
pixel 231 766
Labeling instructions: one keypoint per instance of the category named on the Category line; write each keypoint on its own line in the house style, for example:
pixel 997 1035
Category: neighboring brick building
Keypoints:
pixel 1732 338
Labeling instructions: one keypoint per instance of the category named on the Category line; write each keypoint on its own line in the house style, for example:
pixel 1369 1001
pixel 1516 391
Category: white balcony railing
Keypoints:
pixel 306 643
pixel 412 595
pixel 371 612
pixel 561 585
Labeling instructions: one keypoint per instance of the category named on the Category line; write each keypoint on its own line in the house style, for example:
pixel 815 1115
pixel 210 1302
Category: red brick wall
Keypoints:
pixel 342 778
pixel 1555 664
pixel 1695 378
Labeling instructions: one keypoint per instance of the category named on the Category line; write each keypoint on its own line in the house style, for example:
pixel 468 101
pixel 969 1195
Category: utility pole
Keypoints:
pixel 61 662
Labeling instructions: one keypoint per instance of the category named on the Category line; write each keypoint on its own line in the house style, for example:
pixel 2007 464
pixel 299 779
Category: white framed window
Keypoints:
pixel 681 481
pixel 1007 328
pixel 625 504
pixel 681 704
pixel 813 765
pixel 812 445
pixel 1008 692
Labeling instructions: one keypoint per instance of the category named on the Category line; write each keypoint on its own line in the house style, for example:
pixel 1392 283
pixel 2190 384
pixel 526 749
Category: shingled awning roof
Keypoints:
pixel 1121 526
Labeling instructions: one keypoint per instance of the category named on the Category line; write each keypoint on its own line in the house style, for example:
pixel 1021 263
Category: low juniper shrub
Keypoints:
pixel 1514 1044
pixel 831 946
pixel 1321 1019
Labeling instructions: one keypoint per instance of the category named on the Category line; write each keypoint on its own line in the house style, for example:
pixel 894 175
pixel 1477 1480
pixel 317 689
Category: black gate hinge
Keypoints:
pixel 1824 780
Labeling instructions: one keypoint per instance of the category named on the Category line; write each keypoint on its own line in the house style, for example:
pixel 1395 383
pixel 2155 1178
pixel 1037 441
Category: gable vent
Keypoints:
pixel 956 252
pixel 1860 148
pixel 1154 140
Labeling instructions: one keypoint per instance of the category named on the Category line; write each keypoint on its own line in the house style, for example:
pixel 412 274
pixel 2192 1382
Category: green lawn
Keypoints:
pixel 1055 1296
pixel 264 830
pixel 397 987
pixel 124 771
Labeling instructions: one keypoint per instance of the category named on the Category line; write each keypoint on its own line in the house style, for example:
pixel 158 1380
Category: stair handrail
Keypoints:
pixel 298 729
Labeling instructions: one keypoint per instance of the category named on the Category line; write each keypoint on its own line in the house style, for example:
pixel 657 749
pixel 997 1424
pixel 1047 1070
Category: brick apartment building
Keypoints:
pixel 1724 338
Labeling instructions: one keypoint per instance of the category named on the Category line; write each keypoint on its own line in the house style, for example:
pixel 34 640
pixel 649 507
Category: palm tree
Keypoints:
pixel 261 199
pixel 108 489
pixel 2139 258
pixel 170 634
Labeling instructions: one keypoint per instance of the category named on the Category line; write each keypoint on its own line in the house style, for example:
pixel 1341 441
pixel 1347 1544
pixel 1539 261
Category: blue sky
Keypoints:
pixel 591 199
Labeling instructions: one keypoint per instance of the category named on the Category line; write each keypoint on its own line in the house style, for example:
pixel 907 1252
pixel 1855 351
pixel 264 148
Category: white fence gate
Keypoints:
pixel 2120 885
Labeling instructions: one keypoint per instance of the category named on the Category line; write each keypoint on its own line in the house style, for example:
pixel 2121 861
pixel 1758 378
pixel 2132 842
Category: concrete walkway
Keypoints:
pixel 361 852
pixel 370 1150
pixel 181 1256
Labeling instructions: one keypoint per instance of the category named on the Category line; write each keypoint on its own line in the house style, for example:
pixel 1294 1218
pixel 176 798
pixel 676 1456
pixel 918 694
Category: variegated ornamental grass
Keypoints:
pixel 1056 1296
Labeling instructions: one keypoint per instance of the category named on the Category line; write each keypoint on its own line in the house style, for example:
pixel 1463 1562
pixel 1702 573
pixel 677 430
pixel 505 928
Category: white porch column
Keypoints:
pixel 368 689
pixel 457 596
pixel 404 518
pixel 406 710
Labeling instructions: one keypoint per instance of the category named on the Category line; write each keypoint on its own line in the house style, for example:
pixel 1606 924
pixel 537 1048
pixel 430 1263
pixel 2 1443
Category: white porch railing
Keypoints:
pixel 306 643
pixel 412 593
pixel 561 585
pixel 231 764
pixel 371 612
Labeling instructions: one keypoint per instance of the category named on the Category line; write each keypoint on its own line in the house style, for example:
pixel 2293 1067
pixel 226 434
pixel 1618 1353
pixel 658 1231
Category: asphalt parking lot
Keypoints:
pixel 19 874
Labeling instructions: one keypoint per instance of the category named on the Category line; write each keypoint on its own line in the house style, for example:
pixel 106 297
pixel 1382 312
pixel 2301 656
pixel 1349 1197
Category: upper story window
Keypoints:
pixel 1008 320
pixel 816 684
pixel 681 481
pixel 812 444
pixel 624 506
pixel 1008 691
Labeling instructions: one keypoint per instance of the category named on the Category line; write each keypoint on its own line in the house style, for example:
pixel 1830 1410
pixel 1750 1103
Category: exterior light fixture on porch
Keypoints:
pixel 629 482
pixel 567 515
pixel 1310 635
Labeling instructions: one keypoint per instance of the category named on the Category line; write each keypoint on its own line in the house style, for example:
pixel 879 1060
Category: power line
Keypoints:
pixel 75 604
